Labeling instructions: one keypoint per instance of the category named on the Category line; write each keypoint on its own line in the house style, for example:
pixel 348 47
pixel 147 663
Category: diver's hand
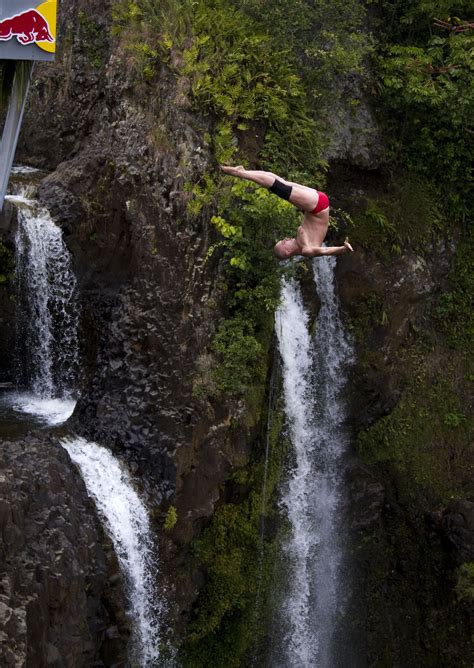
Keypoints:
pixel 347 245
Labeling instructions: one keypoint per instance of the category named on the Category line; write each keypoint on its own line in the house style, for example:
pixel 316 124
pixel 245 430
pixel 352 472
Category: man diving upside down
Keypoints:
pixel 315 205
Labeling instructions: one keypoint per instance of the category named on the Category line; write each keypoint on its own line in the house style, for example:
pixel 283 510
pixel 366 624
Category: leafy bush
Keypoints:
pixel 239 351
pixel 454 311
pixel 227 619
pixel 170 519
pixel 427 91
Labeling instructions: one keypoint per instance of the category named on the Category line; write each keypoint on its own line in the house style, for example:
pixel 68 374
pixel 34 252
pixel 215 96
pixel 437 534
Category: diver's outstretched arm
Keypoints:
pixel 328 250
pixel 311 250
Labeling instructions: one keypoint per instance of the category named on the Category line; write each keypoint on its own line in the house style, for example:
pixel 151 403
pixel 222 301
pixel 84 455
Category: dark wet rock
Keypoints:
pixel 55 601
pixel 366 497
pixel 401 294
pixel 311 301
pixel 151 300
pixel 356 134
pixel 7 291
pixel 457 523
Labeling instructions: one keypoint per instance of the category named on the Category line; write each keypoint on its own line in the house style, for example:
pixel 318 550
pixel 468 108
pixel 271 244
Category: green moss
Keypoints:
pixel 426 438
pixel 170 519
pixel 370 314
pixel 93 38
pixel 401 618
pixel 406 216
pixel 465 583
pixel 454 312
pixel 96 202
pixel 240 353
pixel 421 452
pixel 227 618
pixel 246 217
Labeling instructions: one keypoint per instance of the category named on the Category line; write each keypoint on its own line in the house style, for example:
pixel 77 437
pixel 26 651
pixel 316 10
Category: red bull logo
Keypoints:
pixel 32 26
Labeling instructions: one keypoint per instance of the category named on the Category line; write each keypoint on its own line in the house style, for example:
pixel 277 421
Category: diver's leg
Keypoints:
pixel 302 197
pixel 265 179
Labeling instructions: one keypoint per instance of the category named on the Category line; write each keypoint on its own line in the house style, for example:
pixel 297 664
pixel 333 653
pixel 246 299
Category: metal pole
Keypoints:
pixel 11 130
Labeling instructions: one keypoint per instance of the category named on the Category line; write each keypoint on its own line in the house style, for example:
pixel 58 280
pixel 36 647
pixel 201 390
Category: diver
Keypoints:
pixel 313 203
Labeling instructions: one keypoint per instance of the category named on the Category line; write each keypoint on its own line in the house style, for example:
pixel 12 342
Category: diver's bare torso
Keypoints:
pixel 316 226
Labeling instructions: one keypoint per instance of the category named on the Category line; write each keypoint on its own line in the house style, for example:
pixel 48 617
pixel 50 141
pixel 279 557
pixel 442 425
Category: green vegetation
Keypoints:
pixel 248 218
pixel 422 448
pixel 407 216
pixel 426 97
pixel 465 583
pixel 425 100
pixel 93 38
pixel 426 86
pixel 426 437
pixel 267 77
pixel 454 312
pixel 228 613
pixel 170 519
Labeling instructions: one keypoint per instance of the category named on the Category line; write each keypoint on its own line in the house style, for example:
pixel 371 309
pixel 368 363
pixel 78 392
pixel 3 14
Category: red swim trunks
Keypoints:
pixel 323 203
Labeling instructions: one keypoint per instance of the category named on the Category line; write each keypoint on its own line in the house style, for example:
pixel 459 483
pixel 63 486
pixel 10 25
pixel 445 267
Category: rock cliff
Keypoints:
pixel 60 600
pixel 121 153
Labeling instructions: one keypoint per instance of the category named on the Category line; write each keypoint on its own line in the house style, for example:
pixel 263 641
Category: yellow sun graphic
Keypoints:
pixel 48 11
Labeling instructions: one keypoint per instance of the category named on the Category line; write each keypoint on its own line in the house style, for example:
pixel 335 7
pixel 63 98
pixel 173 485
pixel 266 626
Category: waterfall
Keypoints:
pixel 313 378
pixel 47 314
pixel 47 317
pixel 48 364
pixel 128 525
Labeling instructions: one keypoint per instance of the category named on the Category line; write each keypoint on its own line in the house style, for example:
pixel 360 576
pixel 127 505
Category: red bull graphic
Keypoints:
pixel 29 28
pixel 27 34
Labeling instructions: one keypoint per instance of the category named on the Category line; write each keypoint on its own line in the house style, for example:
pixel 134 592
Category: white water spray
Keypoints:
pixel 313 368
pixel 128 525
pixel 47 308
pixel 47 326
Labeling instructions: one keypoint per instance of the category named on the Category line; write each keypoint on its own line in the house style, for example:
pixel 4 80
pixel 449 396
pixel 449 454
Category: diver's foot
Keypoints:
pixel 232 171
pixel 347 245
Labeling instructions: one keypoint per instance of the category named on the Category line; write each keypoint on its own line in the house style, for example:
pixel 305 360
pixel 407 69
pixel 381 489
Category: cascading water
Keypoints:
pixel 47 316
pixel 127 521
pixel 48 363
pixel 313 377
pixel 48 313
